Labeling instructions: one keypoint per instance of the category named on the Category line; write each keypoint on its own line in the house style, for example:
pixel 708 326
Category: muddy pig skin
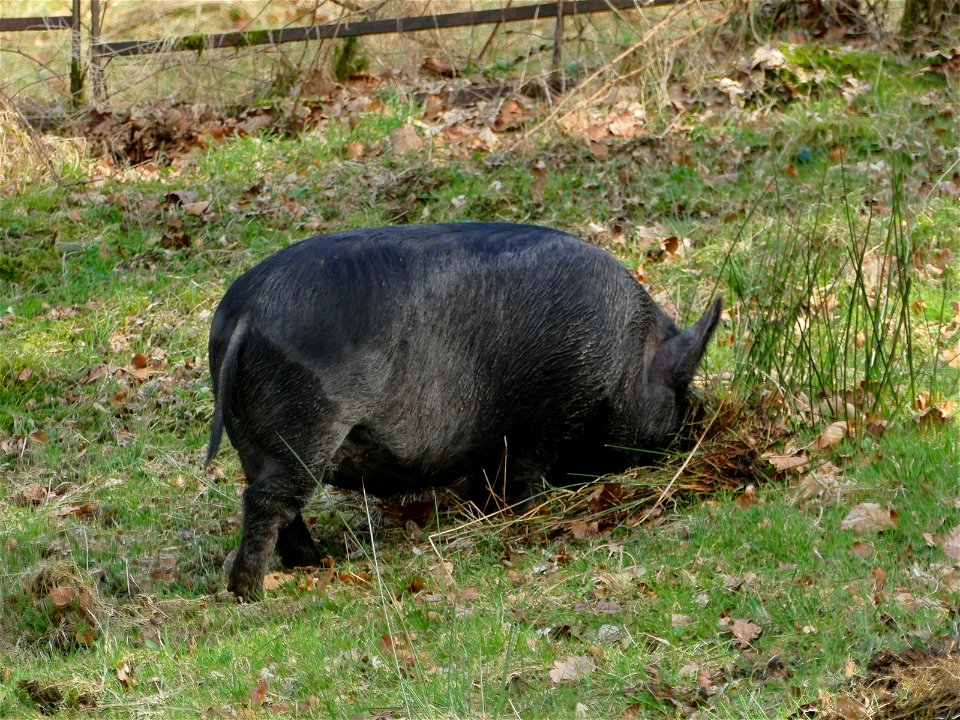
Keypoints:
pixel 403 358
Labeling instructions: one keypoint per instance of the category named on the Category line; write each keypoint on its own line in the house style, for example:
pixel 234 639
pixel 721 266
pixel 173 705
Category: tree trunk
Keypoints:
pixel 930 19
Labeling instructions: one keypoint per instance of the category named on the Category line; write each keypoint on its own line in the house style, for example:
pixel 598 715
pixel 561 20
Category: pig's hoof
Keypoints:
pixel 246 586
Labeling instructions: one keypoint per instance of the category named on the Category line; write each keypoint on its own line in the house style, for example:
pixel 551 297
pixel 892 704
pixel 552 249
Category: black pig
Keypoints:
pixel 404 358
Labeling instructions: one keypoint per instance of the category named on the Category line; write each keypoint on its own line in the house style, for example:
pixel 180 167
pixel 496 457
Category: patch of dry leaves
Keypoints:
pixel 917 682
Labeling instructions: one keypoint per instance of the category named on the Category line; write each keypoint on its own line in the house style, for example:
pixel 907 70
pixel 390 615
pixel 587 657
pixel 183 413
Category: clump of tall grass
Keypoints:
pixel 27 156
pixel 827 311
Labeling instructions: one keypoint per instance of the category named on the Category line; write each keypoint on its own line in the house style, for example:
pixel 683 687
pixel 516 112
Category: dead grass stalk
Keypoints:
pixel 588 92
pixel 726 455
pixel 26 156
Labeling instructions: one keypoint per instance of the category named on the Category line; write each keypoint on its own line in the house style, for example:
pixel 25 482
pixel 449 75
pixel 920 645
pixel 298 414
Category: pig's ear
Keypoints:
pixel 676 361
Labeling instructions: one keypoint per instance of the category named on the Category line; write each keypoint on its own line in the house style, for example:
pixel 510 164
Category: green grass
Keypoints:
pixel 101 486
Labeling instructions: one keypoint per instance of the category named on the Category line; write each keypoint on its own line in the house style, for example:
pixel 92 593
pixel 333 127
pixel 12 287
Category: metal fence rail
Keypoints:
pixel 21 24
pixel 104 51
pixel 564 9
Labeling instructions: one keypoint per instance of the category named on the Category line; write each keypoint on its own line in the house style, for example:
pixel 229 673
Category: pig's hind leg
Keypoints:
pixel 271 503
pixel 276 493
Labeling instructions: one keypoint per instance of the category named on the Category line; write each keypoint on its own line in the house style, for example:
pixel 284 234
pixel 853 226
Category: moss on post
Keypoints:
pixel 253 37
pixel 76 82
pixel 196 43
pixel 348 59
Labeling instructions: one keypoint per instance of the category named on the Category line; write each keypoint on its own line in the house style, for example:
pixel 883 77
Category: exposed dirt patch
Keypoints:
pixel 915 683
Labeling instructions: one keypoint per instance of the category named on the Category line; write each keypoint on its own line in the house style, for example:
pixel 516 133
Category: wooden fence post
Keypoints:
pixel 96 71
pixel 76 66
pixel 558 41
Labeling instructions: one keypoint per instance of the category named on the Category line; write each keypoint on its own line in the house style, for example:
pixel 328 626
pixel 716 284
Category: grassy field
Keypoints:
pixel 768 572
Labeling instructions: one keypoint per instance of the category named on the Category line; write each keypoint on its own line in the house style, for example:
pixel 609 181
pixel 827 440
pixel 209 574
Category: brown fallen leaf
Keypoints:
pixel 62 596
pixel 627 125
pixel 868 517
pixel 419 512
pixel 361 578
pixel 78 511
pixel 23 376
pixel 97 372
pixel 951 356
pixel 598 607
pixel 797 462
pixel 824 480
pixel 274 580
pixel 949 541
pixel 951 581
pixel 196 208
pixel 405 141
pixel 708 681
pixel 875 425
pixel 606 496
pixel 850 708
pixel 734 583
pixel 511 116
pixel 879 578
pixel 599 149
pixel 745 632
pixel 141 373
pixel 767 57
pixel 37 495
pixel 258 692
pixel 906 599
pixel 436 66
pixel 748 497
pixel 937 413
pixel 176 240
pixel 125 675
pixel 582 530
pixel 316 85
pixel 84 599
pixel 574 669
pixel 396 649
pixel 674 246
pixel 180 197
pixel 831 435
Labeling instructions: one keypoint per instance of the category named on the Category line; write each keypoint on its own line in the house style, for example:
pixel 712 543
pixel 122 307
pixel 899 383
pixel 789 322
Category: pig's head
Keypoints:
pixel 663 394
